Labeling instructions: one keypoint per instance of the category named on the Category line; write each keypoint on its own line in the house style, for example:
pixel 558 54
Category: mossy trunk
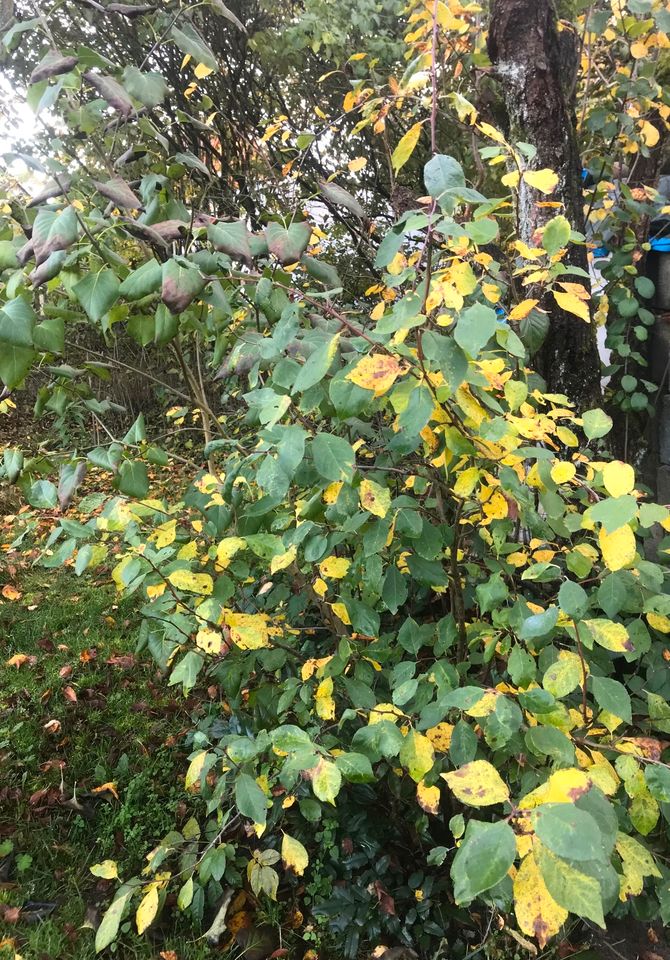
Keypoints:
pixel 537 67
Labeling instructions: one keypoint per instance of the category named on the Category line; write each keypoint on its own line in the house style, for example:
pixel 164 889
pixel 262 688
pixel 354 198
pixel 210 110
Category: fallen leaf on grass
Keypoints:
pixel 70 694
pixel 52 726
pixel 11 593
pixel 106 788
pixel 9 914
pixel 19 659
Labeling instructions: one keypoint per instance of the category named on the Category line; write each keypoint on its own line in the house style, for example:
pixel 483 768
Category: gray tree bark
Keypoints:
pixel 537 67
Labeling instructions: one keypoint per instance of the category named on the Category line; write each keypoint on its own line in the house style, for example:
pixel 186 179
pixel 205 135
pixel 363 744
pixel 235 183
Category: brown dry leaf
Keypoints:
pixel 69 694
pixel 52 726
pixel 65 671
pixel 19 659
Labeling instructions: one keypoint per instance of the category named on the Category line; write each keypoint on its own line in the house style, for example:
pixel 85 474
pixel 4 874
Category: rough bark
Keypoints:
pixel 536 67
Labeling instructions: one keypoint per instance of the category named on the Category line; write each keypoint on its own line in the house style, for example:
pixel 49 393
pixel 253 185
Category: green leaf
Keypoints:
pixel 232 238
pixel 575 891
pixel 474 329
pixel 613 512
pixel 550 742
pixel 448 356
pixel 17 320
pixel 443 175
pixel 394 591
pixel 658 782
pixel 15 362
pixel 148 87
pixel 612 696
pixel 49 335
pixel 333 457
pixel 109 926
pixel 533 330
pixel 133 479
pixel 556 235
pixel 97 293
pixel 250 799
pixel 573 600
pixel 341 197
pixel 190 41
pixel 483 859
pixel 288 245
pixel 355 767
pixel 568 831
pixel 143 281
pixel 317 365
pixel 54 230
pixel 12 461
pixel 186 671
pixel 596 423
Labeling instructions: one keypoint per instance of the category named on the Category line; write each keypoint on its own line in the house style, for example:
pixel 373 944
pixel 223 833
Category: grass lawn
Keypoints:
pixel 79 710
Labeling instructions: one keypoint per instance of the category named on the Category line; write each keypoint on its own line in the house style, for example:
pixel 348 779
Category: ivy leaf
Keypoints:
pixel 483 859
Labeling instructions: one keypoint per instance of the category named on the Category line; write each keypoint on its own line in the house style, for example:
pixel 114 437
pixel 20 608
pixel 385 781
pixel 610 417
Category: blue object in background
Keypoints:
pixel 660 244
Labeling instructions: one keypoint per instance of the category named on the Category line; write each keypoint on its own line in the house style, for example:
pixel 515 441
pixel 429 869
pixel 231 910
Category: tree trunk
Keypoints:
pixel 537 68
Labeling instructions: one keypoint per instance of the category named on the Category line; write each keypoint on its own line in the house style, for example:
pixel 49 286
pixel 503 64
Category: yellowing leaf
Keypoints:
pixel 227 549
pixel 618 548
pixel 564 786
pixel 417 755
pixel 334 568
pixel 164 535
pixel 147 910
pixel 612 636
pixel 209 640
pixel 293 854
pixel 522 309
pixel 649 133
pixel 374 498
pixel 107 870
pixel 405 147
pixel 248 631
pixel 477 784
pixel 283 560
pixel 658 622
pixel 332 491
pixel 195 768
pixel 377 372
pixel 618 478
pixel 637 863
pixel 341 613
pixel 320 587
pixel 491 132
pixel 358 163
pixel 385 711
pixel 544 180
pixel 428 798
pixel 638 50
pixel 572 304
pixel 200 583
pixel 465 482
pixel 323 700
pixel 537 913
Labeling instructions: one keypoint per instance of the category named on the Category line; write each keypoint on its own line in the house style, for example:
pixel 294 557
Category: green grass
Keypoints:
pixel 116 731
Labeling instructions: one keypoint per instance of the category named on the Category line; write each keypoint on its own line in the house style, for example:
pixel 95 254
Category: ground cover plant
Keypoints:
pixel 408 550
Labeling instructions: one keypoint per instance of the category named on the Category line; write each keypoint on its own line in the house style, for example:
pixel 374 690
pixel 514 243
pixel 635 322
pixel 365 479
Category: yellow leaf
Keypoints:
pixel 357 164
pixel 226 550
pixel 638 50
pixel 195 768
pixel 618 548
pixel 658 622
pixel 465 482
pixel 491 132
pixel 283 560
pixel 107 870
pixel 293 854
pixel 618 478
pixel 612 636
pixel 200 583
pixel 564 786
pixel 155 590
pixel 477 784
pixel 492 292
pixel 544 180
pixel 378 312
pixel 323 700
pixel 341 612
pixel 147 910
pixel 374 498
pixel 563 472
pixel 537 913
pixel 314 665
pixel 209 640
pixel 427 797
pixel 649 133
pixel 202 71
pixel 573 304
pixel 248 631
pixel 522 309
pixel 376 372
pixel 511 179
pixel 406 146
pixel 385 711
pixel 440 736
pixel 320 587
pixel 334 568
pixel 164 535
